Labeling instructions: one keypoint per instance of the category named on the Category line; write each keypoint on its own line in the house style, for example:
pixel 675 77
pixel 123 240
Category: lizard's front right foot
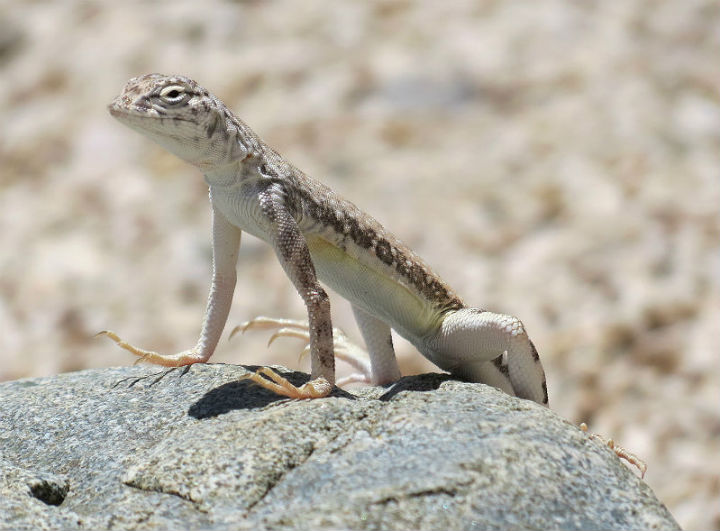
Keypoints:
pixel 317 388
pixel 180 359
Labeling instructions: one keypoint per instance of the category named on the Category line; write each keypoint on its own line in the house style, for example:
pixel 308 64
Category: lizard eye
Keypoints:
pixel 173 94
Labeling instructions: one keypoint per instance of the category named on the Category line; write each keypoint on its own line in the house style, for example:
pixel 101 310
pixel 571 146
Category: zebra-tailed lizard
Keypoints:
pixel 319 236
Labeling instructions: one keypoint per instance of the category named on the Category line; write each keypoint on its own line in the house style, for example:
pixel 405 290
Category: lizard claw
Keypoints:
pixel 268 323
pixel 317 388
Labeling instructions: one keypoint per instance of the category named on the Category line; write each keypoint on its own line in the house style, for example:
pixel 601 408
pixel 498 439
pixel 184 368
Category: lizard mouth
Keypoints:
pixel 115 110
pixel 118 110
pixel 121 111
pixel 126 105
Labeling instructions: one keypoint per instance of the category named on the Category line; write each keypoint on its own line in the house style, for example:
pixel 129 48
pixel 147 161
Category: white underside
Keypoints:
pixel 374 291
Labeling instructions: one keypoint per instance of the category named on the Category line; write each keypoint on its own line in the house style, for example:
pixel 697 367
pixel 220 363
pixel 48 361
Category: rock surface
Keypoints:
pixel 131 448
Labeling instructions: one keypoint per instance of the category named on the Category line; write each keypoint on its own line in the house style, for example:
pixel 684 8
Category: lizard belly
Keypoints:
pixel 374 291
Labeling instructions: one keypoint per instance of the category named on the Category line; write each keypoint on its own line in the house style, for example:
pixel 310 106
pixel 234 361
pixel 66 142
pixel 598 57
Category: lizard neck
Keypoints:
pixel 221 176
pixel 232 172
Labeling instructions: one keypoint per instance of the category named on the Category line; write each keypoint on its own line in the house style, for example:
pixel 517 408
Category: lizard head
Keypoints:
pixel 183 117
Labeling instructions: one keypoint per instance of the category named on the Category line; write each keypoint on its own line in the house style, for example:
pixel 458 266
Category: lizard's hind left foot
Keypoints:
pixel 621 452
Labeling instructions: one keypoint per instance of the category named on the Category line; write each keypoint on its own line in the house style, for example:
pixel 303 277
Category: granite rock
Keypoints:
pixel 134 448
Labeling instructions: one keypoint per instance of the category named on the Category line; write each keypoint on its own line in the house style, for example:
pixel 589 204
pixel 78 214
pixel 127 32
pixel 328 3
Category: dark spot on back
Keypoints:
pixel 338 224
pixel 384 252
pixel 401 266
pixel 358 236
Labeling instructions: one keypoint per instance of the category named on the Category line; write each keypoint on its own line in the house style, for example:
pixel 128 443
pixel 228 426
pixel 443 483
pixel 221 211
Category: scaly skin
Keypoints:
pixel 318 236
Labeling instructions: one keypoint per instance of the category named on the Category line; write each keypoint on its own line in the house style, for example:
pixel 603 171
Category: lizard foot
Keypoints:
pixel 180 359
pixel 317 388
pixel 344 349
pixel 621 452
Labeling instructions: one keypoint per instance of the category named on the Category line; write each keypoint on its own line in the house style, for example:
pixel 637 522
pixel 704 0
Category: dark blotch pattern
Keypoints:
pixel 502 367
pixel 535 354
pixel 318 205
pixel 383 251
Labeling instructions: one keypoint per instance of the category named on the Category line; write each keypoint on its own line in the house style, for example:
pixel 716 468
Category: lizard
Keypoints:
pixel 318 236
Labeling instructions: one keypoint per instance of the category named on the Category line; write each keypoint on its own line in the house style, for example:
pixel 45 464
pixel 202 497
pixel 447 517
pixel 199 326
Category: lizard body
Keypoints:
pixel 319 236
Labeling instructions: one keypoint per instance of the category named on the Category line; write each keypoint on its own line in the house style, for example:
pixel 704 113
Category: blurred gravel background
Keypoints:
pixel 559 161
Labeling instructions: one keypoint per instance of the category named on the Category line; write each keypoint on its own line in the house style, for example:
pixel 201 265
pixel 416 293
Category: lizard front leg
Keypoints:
pixel 226 243
pixel 294 256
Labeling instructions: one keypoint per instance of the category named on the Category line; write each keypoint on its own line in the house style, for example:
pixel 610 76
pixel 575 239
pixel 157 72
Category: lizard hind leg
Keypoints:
pixel 490 348
pixel 620 452
pixel 378 339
